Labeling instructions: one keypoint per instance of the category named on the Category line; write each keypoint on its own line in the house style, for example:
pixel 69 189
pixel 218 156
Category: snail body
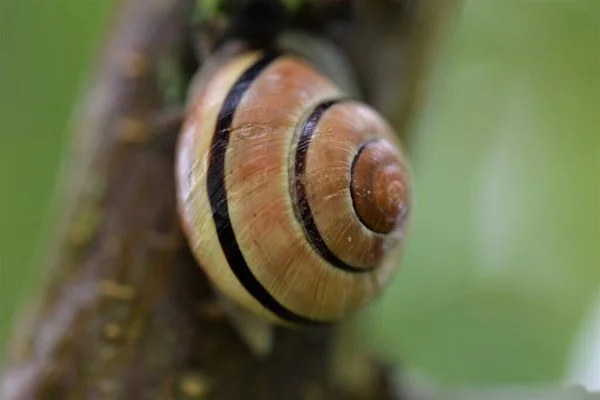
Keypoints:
pixel 293 196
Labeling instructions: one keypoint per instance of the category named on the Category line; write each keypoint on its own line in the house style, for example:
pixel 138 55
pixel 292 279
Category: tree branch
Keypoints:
pixel 124 312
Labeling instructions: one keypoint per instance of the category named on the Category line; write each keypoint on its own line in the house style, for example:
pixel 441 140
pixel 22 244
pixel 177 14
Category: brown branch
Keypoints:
pixel 393 45
pixel 124 312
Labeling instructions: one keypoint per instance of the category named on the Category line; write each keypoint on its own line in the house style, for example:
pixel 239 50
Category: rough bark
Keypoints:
pixel 123 311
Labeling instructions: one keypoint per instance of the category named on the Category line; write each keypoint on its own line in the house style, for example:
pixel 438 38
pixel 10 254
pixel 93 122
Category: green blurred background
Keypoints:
pixel 502 270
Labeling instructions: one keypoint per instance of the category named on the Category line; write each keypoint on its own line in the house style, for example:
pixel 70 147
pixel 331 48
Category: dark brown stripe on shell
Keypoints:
pixel 299 199
pixel 218 197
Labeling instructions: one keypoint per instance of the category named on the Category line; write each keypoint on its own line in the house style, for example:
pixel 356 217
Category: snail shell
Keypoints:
pixel 293 197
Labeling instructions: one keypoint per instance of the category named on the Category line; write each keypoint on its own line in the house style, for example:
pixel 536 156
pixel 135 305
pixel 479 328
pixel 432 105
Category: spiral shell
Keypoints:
pixel 293 197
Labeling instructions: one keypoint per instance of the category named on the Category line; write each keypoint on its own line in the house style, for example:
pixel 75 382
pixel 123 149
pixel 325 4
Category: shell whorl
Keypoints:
pixel 292 196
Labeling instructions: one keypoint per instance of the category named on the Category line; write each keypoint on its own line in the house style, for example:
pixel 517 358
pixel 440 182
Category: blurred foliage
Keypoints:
pixel 46 51
pixel 502 262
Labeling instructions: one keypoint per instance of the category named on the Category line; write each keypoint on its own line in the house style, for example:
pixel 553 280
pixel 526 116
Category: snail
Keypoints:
pixel 294 196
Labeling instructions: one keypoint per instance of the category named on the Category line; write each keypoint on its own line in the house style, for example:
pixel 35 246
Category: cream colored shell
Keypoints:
pixel 266 192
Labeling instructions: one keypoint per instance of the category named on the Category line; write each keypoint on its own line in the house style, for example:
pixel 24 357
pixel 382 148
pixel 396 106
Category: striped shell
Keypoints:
pixel 293 197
